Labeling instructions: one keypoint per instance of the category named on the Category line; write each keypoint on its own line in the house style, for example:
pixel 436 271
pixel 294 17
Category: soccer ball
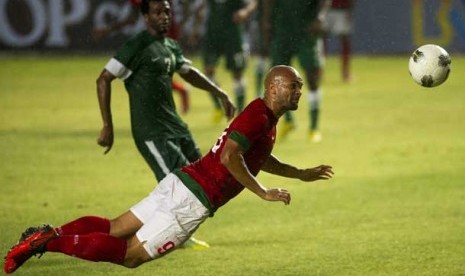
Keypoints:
pixel 429 65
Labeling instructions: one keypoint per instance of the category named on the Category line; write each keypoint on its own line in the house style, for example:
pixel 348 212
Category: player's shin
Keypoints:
pixel 96 247
pixel 314 101
pixel 259 73
pixel 239 91
pixel 314 98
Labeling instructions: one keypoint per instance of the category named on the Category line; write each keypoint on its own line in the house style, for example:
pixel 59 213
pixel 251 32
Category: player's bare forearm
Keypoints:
pixel 232 159
pixel 243 14
pixel 275 166
pixel 199 80
pixel 105 138
pixel 104 96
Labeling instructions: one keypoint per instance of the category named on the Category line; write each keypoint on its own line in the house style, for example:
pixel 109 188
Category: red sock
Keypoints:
pixel 345 51
pixel 85 225
pixel 177 86
pixel 96 247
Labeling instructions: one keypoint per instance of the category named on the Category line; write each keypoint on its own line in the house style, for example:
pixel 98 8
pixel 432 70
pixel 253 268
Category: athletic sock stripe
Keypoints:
pixel 157 156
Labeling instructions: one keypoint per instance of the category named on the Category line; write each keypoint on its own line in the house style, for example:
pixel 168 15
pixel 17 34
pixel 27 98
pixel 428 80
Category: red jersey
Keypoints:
pixel 255 130
pixel 341 4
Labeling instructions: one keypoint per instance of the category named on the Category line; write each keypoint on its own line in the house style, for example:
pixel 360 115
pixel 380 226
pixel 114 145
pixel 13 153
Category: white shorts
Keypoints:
pixel 338 22
pixel 170 214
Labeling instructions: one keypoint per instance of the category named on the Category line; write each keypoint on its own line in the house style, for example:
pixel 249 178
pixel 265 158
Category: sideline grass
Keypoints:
pixel 395 207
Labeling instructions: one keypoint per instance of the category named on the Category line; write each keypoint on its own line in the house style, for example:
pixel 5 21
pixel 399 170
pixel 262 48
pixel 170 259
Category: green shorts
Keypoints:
pixel 309 52
pixel 232 50
pixel 165 155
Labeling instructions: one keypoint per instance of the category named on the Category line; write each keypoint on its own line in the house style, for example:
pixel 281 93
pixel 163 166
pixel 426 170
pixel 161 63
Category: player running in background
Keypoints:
pixel 224 37
pixel 296 31
pixel 339 22
pixel 173 32
pixel 262 47
pixel 146 63
pixel 181 202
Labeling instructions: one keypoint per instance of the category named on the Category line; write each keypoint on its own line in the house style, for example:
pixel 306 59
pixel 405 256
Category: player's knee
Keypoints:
pixel 135 254
pixel 132 263
pixel 135 258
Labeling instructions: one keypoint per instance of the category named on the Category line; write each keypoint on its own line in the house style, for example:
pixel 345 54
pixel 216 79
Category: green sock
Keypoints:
pixel 288 117
pixel 239 91
pixel 259 73
pixel 314 113
pixel 216 102
pixel 314 100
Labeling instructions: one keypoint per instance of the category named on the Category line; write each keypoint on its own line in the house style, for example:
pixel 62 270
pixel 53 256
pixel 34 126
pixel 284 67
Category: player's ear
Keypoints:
pixel 273 91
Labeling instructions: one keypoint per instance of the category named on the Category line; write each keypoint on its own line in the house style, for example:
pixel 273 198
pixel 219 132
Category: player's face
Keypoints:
pixel 159 16
pixel 289 92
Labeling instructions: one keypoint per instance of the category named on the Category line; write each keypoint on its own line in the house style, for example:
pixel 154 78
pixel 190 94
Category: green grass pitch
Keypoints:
pixel 396 205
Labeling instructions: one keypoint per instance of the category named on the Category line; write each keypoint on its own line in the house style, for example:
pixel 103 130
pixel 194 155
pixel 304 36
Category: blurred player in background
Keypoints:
pixel 184 199
pixel 262 47
pixel 224 37
pixel 173 32
pixel 339 22
pixel 146 63
pixel 296 31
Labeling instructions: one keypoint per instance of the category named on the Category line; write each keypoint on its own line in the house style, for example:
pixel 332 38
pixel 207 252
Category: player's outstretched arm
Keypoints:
pixel 193 76
pixel 274 166
pixel 106 137
pixel 232 158
pixel 243 14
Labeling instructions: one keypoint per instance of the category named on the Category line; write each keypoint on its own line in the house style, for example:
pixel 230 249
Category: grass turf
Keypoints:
pixel 395 207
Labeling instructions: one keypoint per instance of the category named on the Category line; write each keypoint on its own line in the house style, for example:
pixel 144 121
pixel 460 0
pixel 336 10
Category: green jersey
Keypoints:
pixel 146 64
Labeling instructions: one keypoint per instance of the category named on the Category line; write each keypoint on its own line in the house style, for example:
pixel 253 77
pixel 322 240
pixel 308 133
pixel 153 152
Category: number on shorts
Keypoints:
pixel 167 246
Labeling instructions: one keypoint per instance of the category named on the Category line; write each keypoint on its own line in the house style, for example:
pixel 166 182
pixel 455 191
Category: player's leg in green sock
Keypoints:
pixel 288 118
pixel 314 98
pixel 239 91
pixel 287 125
pixel 215 100
pixel 217 110
pixel 259 73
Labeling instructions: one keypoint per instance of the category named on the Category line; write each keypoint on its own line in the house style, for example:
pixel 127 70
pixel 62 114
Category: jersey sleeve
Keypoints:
pixel 246 129
pixel 181 61
pixel 120 64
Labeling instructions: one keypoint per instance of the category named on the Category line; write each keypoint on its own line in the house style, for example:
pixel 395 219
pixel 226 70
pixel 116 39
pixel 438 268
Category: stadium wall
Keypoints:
pixel 380 26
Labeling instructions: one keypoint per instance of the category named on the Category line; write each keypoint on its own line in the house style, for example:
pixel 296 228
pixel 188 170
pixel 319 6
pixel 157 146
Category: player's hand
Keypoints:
pixel 106 138
pixel 322 172
pixel 240 16
pixel 277 194
pixel 229 108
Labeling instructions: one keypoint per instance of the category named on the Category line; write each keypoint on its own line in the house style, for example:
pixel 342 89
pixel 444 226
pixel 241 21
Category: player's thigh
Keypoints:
pixel 173 221
pixel 135 253
pixel 211 52
pixel 310 54
pixel 163 156
pixel 281 53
